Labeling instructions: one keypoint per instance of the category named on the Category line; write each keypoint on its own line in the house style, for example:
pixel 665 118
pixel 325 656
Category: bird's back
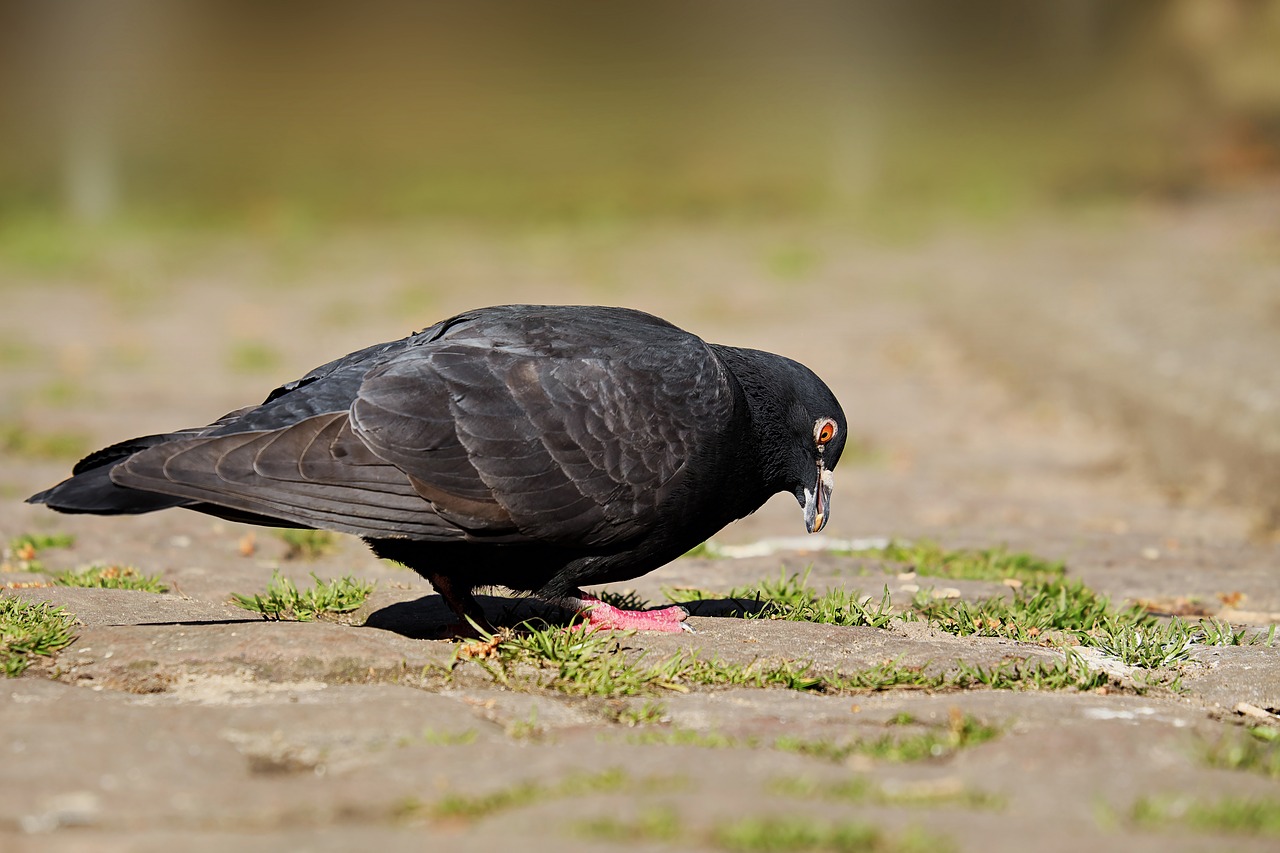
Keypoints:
pixel 570 425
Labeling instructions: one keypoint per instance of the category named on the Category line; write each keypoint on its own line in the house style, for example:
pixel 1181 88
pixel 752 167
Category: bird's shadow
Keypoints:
pixel 725 608
pixel 429 618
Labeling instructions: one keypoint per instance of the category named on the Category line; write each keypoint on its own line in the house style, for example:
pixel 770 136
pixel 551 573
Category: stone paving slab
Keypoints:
pixel 325 755
pixel 1169 328
pixel 179 721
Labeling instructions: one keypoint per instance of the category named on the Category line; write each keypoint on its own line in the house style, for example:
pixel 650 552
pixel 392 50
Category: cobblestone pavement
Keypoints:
pixel 178 720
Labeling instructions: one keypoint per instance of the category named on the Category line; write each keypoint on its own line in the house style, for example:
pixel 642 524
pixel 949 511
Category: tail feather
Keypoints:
pixel 93 492
pixel 90 489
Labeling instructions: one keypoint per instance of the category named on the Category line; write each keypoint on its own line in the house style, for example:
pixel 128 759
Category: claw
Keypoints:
pixel 599 615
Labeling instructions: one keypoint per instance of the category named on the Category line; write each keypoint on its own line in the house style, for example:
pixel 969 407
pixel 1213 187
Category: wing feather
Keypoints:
pixel 314 472
pixel 577 449
pixel 561 426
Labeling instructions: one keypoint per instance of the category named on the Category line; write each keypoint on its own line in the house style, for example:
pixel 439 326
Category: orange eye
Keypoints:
pixel 826 432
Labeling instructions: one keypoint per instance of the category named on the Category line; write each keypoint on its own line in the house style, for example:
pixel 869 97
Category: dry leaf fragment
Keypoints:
pixel 1180 606
pixel 481 650
pixel 1232 599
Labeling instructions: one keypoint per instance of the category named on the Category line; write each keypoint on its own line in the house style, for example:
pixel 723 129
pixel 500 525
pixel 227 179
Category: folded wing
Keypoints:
pixel 477 435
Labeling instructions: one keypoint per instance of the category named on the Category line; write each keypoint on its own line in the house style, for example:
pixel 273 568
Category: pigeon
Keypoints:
pixel 537 448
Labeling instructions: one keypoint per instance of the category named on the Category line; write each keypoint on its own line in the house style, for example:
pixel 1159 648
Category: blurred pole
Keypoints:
pixel 85 41
pixel 91 185
pixel 857 43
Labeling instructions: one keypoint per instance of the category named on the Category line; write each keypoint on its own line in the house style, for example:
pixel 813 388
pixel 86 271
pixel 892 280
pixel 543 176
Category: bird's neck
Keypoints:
pixel 763 388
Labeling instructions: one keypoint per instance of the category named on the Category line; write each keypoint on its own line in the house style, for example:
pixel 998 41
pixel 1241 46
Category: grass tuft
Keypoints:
pixel 584 663
pixel 1214 632
pixel 30 629
pixel 962 732
pixel 526 729
pixel 802 833
pixel 987 564
pixel 860 790
pixel 432 737
pixel 110 577
pixel 661 825
pixel 41 541
pixel 1258 752
pixel 283 600
pixel 791 598
pixel 1072 673
pixel 1047 608
pixel 1032 613
pixel 305 544
pixel 1147 644
pixel 796 833
pixel 1042 607
pixel 472 807
pixel 22 553
pixel 1235 815
pixel 646 714
pixel 590 663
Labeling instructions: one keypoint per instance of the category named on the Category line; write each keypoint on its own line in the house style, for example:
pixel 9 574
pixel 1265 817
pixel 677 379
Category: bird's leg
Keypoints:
pixel 598 615
pixel 461 602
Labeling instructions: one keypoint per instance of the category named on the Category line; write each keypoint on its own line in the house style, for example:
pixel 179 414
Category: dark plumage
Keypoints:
pixel 536 448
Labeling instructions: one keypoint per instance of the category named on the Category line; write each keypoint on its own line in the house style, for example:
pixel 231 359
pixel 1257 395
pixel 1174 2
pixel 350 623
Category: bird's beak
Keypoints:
pixel 817 502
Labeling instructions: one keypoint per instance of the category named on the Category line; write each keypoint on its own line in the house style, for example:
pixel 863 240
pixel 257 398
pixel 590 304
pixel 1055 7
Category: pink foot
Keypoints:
pixel 600 616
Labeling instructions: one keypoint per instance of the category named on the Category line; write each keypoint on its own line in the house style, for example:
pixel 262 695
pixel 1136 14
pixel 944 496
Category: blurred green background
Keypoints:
pixel 288 116
pixel 1081 194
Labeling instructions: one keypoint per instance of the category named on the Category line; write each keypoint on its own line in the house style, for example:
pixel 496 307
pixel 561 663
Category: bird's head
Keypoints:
pixel 818 431
pixel 798 428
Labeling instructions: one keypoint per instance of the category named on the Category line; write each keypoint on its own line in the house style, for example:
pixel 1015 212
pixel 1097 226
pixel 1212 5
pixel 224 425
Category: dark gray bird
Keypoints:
pixel 532 447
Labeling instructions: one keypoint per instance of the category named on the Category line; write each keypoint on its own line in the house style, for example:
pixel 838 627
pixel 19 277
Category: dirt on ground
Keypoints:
pixel 178 720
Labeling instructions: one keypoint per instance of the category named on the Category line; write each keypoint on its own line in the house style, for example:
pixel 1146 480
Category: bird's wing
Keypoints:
pixel 481 435
pixel 292 459
pixel 578 450
pixel 313 472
